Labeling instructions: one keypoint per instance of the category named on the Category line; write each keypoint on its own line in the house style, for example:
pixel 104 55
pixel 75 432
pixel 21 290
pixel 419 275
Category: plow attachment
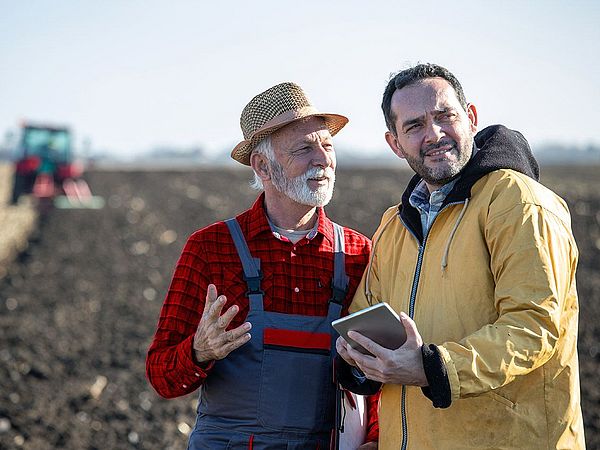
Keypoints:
pixel 77 196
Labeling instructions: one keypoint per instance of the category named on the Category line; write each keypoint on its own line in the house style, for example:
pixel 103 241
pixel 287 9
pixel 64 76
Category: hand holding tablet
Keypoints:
pixel 379 322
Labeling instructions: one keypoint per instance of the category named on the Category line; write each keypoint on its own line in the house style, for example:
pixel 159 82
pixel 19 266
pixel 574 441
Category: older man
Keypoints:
pixel 281 272
pixel 481 260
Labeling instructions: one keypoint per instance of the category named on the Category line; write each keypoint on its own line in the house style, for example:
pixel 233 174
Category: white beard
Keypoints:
pixel 297 188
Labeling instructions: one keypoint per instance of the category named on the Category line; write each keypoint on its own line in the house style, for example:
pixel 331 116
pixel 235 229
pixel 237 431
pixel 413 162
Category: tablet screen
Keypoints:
pixel 379 322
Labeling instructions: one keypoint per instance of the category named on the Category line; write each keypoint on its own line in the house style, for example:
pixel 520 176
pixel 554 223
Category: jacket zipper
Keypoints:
pixel 411 313
pixel 411 310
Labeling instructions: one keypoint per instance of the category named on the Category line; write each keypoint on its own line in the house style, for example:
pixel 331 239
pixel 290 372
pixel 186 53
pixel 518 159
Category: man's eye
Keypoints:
pixel 413 128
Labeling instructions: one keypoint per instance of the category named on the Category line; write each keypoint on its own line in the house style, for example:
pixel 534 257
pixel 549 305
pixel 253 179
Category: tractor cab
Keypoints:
pixel 47 145
pixel 45 167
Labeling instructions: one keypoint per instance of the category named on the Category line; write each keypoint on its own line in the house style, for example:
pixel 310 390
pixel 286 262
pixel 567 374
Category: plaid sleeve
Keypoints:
pixel 170 365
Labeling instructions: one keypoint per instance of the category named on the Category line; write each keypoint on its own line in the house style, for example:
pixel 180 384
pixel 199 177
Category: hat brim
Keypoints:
pixel 242 151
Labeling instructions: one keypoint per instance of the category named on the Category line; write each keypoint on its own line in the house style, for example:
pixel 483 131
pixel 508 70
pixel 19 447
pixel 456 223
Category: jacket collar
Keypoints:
pixel 499 148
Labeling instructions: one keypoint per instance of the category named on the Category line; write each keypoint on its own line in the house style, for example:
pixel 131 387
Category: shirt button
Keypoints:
pixel 197 374
pixel 184 386
pixel 296 289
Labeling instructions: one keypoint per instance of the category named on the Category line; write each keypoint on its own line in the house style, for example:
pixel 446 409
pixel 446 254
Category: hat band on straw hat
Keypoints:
pixel 286 118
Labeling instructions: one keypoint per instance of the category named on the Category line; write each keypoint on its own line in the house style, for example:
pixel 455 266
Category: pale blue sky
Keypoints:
pixel 131 75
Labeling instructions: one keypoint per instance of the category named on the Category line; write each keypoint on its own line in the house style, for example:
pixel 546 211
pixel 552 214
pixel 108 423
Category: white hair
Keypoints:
pixel 265 148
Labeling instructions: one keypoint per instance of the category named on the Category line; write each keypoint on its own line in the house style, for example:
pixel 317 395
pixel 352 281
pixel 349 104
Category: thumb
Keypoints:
pixel 412 333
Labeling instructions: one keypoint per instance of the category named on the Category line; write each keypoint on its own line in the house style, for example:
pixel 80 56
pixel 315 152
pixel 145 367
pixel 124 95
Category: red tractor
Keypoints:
pixel 45 168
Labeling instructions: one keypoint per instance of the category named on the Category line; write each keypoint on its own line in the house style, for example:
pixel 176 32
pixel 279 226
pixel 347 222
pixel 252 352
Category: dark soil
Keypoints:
pixel 78 309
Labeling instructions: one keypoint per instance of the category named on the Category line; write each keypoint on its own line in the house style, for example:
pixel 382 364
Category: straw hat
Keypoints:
pixel 273 109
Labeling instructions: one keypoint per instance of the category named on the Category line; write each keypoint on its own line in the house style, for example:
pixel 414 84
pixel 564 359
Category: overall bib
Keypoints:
pixel 277 390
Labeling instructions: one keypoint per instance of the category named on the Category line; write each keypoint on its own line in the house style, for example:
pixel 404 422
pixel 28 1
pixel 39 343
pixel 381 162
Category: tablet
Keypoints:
pixel 379 322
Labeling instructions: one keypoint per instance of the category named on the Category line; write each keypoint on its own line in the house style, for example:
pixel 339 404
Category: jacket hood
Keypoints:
pixel 499 148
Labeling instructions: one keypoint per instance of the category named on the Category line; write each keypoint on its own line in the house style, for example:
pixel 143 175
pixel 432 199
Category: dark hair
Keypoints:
pixel 412 76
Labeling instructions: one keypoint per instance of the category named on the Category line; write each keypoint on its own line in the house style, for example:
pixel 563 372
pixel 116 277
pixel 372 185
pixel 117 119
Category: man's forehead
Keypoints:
pixel 303 128
pixel 427 94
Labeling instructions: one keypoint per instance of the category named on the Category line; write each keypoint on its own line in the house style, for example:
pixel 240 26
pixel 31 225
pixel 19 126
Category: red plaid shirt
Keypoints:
pixel 296 280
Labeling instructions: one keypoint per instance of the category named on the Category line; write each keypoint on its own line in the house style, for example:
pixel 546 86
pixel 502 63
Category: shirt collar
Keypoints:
pixel 420 195
pixel 259 223
pixel 257 218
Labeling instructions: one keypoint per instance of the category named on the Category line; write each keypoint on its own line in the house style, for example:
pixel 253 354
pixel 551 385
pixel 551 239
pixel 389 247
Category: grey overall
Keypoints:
pixel 277 390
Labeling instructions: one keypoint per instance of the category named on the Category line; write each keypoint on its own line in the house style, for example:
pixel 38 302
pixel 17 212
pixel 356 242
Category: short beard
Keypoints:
pixel 297 188
pixel 440 175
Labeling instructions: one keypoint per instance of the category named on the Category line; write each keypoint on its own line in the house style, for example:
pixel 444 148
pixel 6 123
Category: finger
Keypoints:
pixel 228 347
pixel 211 297
pixel 227 317
pixel 343 349
pixel 366 363
pixel 373 347
pixel 241 340
pixel 368 366
pixel 232 340
pixel 216 308
pixel 368 371
pixel 340 346
pixel 234 334
pixel 412 333
pixel 360 358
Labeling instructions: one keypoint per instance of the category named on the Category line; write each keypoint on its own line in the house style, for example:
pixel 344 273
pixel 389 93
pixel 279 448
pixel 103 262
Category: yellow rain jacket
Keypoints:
pixel 492 285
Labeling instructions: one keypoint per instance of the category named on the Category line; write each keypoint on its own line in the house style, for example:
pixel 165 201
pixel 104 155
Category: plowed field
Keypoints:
pixel 79 307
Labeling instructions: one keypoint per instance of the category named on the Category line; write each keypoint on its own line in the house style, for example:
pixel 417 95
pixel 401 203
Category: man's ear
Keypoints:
pixel 393 143
pixel 260 165
pixel 472 114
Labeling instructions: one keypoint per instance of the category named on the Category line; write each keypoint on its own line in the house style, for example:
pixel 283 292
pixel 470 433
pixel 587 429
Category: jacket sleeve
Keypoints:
pixel 532 258
pixel 353 379
pixel 171 367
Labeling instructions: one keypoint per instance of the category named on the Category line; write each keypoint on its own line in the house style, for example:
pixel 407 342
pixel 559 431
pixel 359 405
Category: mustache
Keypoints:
pixel 437 145
pixel 318 172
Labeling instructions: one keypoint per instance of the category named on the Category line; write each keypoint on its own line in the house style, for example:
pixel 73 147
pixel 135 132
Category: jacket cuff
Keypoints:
pixel 353 379
pixel 438 390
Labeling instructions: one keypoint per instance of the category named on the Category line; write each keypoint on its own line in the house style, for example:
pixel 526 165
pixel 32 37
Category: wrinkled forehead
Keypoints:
pixel 310 128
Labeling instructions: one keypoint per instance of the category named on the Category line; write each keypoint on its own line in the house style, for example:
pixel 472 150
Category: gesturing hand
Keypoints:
pixel 401 366
pixel 211 341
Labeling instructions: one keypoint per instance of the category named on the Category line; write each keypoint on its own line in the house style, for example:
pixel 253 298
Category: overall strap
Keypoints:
pixel 339 283
pixel 339 287
pixel 251 266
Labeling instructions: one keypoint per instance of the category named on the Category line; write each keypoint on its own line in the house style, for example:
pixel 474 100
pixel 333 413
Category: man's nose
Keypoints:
pixel 433 133
pixel 322 157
